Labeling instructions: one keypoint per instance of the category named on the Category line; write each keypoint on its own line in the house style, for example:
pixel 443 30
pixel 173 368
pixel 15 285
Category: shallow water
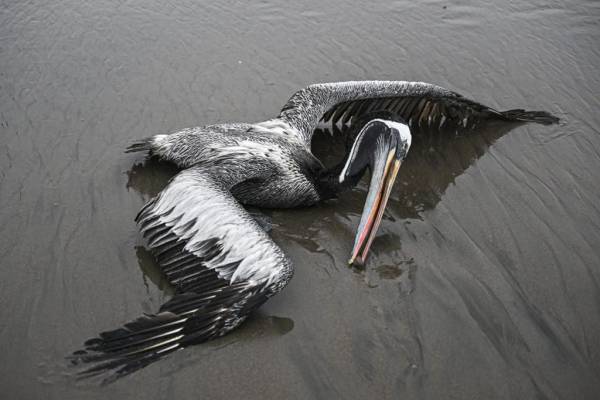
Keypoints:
pixel 484 281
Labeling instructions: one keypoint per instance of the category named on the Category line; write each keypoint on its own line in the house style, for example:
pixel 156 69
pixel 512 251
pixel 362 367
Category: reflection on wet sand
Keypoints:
pixel 150 176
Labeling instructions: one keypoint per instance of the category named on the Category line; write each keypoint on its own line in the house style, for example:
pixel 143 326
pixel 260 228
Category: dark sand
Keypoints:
pixel 483 282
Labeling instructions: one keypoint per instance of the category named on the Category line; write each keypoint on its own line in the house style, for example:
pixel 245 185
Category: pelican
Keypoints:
pixel 222 264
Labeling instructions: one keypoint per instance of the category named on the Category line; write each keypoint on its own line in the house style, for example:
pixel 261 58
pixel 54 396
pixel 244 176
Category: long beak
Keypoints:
pixel 382 180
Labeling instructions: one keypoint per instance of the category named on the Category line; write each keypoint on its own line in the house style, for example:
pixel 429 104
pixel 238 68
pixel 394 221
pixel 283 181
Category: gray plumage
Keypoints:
pixel 418 103
pixel 222 264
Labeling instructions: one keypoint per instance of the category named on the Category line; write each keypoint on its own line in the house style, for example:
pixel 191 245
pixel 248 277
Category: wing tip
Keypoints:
pixel 538 117
pixel 111 368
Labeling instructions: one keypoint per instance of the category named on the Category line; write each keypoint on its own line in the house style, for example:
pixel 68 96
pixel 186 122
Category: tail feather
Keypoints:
pixel 539 117
pixel 140 145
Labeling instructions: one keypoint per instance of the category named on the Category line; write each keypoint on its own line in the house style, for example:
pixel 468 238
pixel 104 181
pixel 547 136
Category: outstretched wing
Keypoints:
pixel 222 264
pixel 422 105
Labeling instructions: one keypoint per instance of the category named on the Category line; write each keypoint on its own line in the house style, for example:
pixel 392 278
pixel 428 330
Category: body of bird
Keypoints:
pixel 258 164
pixel 220 261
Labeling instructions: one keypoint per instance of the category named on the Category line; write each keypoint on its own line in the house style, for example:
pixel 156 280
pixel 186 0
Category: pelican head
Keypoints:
pixel 381 146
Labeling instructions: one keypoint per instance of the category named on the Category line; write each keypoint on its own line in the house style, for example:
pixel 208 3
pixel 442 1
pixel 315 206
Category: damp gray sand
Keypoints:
pixel 482 283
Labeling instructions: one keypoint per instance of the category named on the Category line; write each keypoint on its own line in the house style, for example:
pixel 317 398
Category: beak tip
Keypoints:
pixel 357 261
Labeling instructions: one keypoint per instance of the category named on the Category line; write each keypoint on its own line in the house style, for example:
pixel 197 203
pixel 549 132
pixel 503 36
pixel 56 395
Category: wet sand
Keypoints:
pixel 484 281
